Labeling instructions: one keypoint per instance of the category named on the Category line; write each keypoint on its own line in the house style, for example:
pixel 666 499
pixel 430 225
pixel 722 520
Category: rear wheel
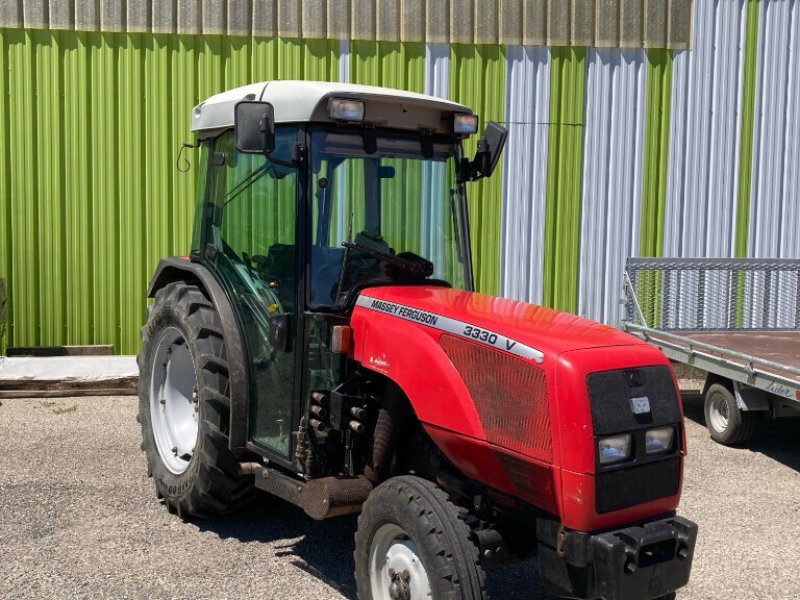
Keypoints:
pixel 412 543
pixel 184 406
pixel 726 423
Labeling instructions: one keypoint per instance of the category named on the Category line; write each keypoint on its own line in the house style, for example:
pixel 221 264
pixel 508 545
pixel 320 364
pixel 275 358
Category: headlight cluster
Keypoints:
pixel 617 448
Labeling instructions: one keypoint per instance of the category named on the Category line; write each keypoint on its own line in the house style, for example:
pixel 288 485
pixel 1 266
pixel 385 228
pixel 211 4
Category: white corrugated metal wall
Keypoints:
pixel 775 192
pixel 730 173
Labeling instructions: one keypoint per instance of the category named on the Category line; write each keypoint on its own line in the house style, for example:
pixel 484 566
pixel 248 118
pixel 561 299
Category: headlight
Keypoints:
pixel 658 441
pixel 614 449
pixel 340 109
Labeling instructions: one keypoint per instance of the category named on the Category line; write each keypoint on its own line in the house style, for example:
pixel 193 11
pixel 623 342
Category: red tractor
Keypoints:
pixel 322 342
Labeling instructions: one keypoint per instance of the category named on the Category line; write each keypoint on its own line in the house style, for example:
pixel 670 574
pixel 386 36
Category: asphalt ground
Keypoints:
pixel 79 519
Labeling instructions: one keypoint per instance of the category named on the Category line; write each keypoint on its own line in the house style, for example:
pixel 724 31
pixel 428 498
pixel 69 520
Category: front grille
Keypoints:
pixel 610 394
pixel 637 484
pixel 510 395
pixel 643 478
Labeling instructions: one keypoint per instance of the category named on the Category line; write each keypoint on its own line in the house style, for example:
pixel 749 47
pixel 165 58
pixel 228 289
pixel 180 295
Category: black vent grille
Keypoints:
pixel 610 394
pixel 636 485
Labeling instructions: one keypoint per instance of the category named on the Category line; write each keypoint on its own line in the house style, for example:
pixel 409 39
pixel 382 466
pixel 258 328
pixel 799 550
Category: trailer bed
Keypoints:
pixel 779 347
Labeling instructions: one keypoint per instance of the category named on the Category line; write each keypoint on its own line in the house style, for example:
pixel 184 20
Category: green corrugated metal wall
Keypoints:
pixel 564 176
pixel 90 124
pixel 478 80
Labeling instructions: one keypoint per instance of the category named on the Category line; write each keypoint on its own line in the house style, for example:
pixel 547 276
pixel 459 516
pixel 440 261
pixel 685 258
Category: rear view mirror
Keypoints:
pixel 494 139
pixel 490 147
pixel 280 332
pixel 254 127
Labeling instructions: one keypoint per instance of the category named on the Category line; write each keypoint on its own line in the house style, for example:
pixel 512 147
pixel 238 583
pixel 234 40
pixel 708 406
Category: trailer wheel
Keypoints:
pixel 184 405
pixel 412 543
pixel 726 423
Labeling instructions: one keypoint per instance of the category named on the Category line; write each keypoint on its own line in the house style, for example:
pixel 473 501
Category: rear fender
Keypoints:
pixel 176 268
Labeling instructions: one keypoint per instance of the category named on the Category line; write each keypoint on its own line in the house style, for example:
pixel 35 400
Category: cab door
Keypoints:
pixel 251 244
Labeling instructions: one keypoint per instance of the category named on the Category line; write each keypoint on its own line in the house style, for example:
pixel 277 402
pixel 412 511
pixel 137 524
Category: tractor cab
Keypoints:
pixel 311 192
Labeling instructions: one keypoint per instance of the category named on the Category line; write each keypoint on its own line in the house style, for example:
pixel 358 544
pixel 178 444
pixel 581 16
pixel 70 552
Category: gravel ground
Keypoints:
pixel 78 519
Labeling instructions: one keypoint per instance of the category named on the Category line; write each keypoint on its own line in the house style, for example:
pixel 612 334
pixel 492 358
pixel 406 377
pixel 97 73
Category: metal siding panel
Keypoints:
pixel 477 79
pixel 92 201
pixel 564 170
pixel 535 22
pixel 314 19
pixel 189 16
pixel 583 23
pixel 631 23
pixel 112 15
pixel 338 19
pixel 240 16
pixel 388 21
pixel 612 176
pixel 213 17
pixel 412 20
pixel 609 26
pixel 746 129
pixel 524 193
pixel 437 25
pixel 60 14
pixel 512 22
pixel 703 174
pixel 656 151
pixel 775 190
pixel 553 22
pixel 11 14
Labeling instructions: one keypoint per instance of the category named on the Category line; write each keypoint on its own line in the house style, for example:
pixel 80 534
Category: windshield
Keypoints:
pixel 391 213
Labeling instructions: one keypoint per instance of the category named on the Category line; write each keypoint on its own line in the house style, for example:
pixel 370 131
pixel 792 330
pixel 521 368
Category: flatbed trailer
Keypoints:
pixel 738 320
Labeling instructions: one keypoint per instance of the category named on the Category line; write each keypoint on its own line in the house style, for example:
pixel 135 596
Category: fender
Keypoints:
pixel 176 268
pixel 413 358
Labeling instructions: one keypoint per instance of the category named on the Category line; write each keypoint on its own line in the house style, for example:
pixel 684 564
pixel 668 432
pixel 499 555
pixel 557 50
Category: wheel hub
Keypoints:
pixel 174 402
pixel 398 588
pixel 718 413
pixel 396 569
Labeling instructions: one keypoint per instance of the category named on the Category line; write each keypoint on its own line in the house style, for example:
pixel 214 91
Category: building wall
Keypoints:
pixel 613 152
pixel 664 153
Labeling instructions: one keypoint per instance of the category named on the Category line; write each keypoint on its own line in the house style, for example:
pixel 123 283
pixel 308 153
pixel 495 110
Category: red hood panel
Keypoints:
pixel 549 331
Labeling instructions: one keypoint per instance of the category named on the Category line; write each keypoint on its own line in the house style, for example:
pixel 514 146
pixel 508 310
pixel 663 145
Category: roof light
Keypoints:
pixel 341 109
pixel 465 124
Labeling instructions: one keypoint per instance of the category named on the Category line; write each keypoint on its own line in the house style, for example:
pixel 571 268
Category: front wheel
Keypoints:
pixel 184 408
pixel 726 423
pixel 412 543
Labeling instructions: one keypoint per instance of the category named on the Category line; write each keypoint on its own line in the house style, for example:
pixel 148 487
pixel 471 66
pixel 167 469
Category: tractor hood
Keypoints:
pixel 528 330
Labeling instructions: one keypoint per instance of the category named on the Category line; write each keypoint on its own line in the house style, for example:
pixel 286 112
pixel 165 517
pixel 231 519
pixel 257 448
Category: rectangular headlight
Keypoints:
pixel 659 441
pixel 465 124
pixel 614 449
pixel 341 109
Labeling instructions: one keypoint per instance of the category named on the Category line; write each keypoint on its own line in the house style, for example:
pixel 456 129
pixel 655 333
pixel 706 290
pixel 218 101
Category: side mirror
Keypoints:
pixel 490 147
pixel 254 127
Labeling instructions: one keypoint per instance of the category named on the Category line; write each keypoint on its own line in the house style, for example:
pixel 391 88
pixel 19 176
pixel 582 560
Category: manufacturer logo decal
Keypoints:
pixel 640 405
pixel 459 328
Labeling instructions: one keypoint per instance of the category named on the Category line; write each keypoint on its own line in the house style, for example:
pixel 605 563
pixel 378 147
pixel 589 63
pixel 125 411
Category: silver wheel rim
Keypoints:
pixel 173 401
pixel 718 413
pixel 396 571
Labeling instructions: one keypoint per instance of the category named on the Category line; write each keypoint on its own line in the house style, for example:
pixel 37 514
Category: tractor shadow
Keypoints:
pixel 324 549
pixel 778 439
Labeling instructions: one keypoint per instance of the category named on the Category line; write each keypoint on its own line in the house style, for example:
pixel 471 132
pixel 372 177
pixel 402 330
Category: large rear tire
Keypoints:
pixel 412 543
pixel 184 405
pixel 726 423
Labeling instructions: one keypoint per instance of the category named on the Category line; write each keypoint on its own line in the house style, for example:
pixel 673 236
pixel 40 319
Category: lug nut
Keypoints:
pixel 356 426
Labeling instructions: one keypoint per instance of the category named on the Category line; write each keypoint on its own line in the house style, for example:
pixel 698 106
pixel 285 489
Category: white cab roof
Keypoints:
pixel 304 101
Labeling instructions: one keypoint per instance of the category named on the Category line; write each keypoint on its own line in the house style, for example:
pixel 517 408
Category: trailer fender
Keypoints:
pixel 750 398
pixel 176 268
